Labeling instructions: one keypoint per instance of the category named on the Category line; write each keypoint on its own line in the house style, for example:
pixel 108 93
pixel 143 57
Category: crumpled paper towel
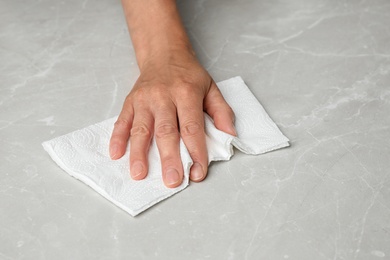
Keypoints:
pixel 84 153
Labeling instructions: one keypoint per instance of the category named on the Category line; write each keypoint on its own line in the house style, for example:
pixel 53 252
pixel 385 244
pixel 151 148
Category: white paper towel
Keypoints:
pixel 84 153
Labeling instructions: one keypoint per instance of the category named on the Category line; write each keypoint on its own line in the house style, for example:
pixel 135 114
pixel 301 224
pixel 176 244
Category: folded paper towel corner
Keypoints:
pixel 84 153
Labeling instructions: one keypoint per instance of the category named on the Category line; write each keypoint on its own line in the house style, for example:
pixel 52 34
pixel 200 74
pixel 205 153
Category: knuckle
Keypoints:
pixel 140 94
pixel 164 106
pixel 166 130
pixel 122 123
pixel 191 128
pixel 157 90
pixel 186 90
pixel 128 99
pixel 140 130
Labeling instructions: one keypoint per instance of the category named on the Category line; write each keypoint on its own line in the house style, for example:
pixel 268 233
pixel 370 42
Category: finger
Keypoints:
pixel 121 132
pixel 216 106
pixel 191 120
pixel 140 138
pixel 167 139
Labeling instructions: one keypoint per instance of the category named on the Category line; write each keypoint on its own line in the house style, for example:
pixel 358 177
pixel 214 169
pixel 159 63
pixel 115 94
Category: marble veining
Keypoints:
pixel 320 68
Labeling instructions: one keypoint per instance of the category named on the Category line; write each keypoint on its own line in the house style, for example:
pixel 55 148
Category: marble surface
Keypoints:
pixel 320 68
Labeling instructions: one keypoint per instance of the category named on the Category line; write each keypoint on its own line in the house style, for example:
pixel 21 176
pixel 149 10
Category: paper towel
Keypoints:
pixel 84 154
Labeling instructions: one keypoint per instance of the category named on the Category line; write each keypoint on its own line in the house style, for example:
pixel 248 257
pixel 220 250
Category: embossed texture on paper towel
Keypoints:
pixel 84 153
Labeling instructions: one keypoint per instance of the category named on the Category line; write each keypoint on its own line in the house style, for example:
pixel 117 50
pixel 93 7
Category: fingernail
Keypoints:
pixel 113 151
pixel 172 177
pixel 197 173
pixel 136 169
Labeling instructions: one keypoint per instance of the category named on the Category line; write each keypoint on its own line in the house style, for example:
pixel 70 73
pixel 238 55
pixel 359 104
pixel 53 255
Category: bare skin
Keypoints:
pixel 169 97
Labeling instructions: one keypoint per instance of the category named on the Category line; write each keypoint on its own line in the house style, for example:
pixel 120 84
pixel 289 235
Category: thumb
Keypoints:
pixel 222 114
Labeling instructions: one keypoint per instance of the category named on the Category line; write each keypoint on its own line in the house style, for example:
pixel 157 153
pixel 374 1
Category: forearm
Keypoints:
pixel 155 28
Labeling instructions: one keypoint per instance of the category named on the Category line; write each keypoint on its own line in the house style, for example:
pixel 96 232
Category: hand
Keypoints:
pixel 168 101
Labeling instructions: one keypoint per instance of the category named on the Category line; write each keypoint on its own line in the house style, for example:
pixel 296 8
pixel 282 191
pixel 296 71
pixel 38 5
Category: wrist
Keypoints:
pixel 172 54
pixel 161 45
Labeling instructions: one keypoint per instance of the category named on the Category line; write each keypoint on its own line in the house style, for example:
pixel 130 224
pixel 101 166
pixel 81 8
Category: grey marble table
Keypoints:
pixel 320 68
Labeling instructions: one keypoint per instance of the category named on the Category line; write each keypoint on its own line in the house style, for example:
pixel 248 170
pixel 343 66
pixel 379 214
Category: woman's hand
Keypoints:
pixel 168 101
pixel 169 97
